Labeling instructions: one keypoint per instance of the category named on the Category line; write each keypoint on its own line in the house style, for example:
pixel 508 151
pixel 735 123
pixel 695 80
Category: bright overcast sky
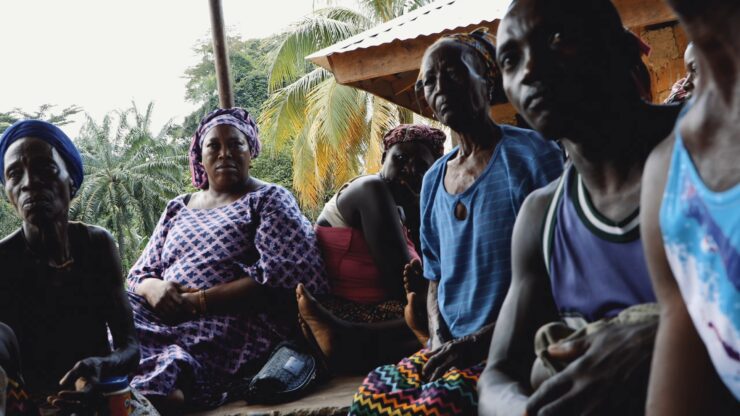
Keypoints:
pixel 102 54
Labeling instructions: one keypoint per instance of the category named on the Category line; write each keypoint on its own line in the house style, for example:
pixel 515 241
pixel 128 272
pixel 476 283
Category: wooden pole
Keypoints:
pixel 221 56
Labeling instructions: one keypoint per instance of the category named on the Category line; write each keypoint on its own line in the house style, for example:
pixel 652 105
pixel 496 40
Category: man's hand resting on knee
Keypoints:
pixel 608 370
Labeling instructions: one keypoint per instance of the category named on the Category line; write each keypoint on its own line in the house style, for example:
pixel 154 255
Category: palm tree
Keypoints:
pixel 335 130
pixel 44 112
pixel 9 220
pixel 130 174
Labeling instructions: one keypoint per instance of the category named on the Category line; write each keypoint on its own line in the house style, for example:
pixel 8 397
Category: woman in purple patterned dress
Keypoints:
pixel 208 290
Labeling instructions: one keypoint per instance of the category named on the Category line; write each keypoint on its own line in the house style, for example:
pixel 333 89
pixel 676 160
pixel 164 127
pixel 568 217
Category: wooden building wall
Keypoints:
pixel 668 43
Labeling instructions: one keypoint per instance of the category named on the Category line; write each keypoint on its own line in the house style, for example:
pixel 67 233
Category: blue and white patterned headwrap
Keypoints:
pixel 50 134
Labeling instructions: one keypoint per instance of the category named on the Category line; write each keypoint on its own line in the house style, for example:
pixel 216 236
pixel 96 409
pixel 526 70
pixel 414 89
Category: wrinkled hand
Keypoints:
pixel 608 370
pixel 166 300
pixel 80 394
pixel 459 353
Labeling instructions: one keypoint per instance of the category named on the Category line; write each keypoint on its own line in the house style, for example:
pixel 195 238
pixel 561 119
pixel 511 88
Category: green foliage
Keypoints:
pixel 43 113
pixel 6 119
pixel 130 174
pixel 9 221
pixel 335 131
pixel 274 167
pixel 250 77
pixel 247 58
pixel 315 132
pixel 321 29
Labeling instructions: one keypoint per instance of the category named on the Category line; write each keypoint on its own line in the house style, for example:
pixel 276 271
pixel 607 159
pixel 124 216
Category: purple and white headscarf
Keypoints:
pixel 237 117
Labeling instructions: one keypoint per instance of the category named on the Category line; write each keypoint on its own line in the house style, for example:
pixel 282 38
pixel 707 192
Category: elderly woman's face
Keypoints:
pixel 452 76
pixel 36 181
pixel 226 157
pixel 406 163
pixel 553 70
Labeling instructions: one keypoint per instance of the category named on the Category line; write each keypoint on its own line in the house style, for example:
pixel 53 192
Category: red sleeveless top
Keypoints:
pixel 352 272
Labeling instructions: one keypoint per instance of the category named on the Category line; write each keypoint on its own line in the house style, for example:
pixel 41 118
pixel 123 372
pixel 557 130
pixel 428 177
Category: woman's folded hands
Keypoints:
pixel 172 302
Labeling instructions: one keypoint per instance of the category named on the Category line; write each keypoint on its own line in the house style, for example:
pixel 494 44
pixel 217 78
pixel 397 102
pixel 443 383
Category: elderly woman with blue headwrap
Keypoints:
pixel 61 287
pixel 209 288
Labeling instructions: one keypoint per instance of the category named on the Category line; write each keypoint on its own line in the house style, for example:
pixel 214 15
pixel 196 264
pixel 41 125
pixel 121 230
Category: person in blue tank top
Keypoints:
pixel 691 208
pixel 578 268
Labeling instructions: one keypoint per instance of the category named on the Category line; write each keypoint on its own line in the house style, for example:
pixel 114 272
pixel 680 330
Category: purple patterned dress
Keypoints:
pixel 263 235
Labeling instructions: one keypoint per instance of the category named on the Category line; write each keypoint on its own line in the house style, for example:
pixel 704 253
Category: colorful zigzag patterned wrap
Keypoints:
pixel 19 402
pixel 397 390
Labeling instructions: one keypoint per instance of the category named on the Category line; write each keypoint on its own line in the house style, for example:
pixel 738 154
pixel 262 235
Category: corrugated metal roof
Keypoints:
pixel 440 16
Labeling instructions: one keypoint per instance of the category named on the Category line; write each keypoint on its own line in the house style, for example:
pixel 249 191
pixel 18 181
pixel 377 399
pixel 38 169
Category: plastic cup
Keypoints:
pixel 117 396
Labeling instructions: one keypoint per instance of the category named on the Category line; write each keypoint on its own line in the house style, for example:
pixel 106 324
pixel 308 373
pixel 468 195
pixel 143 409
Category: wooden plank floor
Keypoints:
pixel 330 399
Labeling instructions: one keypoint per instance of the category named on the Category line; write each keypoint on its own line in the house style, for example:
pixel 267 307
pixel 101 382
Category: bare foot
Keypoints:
pixel 416 323
pixel 413 277
pixel 317 324
pixel 415 312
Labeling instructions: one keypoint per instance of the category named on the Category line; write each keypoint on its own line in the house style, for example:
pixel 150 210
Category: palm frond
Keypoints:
pixel 336 130
pixel 344 14
pixel 383 10
pixel 130 174
pixel 415 4
pixel 336 112
pixel 383 119
pixel 337 127
pixel 312 33
pixel 304 171
pixel 283 114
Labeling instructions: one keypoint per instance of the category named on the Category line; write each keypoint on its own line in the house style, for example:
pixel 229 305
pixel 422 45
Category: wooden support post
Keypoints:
pixel 221 55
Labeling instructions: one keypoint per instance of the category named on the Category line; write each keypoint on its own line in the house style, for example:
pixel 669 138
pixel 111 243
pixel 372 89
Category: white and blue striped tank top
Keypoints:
pixel 701 235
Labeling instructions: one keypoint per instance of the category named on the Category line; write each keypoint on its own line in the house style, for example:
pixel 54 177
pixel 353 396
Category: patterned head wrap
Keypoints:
pixel 433 138
pixel 237 117
pixel 485 44
pixel 50 134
